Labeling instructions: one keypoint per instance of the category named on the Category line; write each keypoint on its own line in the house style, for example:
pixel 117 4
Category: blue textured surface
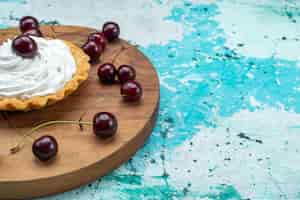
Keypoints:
pixel 228 120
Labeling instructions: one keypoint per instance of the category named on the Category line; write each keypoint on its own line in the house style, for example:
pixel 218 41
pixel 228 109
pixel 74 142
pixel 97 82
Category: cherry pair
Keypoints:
pixel 24 45
pixel 107 73
pixel 104 124
pixel 96 42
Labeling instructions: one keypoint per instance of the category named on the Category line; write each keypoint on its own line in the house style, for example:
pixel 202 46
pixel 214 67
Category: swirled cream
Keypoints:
pixel 45 74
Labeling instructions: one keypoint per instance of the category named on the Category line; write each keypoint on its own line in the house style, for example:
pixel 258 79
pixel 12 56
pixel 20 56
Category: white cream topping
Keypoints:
pixel 46 73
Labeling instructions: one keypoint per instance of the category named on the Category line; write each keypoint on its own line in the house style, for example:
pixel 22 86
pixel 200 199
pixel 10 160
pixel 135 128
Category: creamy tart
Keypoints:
pixel 33 83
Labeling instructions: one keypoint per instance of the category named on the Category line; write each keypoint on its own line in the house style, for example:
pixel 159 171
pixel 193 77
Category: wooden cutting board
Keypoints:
pixel 82 157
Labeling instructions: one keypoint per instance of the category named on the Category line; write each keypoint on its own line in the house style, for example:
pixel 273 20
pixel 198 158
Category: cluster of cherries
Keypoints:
pixel 104 124
pixel 131 90
pixel 23 45
pixel 97 41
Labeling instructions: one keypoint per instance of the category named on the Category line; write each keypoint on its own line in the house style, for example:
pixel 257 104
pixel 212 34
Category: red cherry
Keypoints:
pixel 28 23
pixel 45 148
pixel 111 31
pixel 98 38
pixel 92 50
pixel 131 91
pixel 33 32
pixel 105 125
pixel 107 73
pixel 24 46
pixel 126 73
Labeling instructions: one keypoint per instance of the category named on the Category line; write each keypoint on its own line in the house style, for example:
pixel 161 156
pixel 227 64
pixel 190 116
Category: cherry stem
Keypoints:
pixel 123 48
pixel 21 143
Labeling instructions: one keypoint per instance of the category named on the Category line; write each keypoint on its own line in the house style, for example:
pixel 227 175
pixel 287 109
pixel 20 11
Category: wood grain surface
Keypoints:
pixel 82 157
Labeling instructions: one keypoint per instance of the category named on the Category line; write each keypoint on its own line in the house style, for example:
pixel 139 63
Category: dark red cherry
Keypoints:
pixel 24 46
pixel 92 50
pixel 126 73
pixel 107 73
pixel 33 32
pixel 28 23
pixel 45 148
pixel 105 125
pixel 98 38
pixel 131 91
pixel 111 31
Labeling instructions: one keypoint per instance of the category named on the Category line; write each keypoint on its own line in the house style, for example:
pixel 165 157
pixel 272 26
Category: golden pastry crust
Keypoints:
pixel 38 102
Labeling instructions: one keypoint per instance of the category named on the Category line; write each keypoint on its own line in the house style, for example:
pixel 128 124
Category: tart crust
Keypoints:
pixel 38 102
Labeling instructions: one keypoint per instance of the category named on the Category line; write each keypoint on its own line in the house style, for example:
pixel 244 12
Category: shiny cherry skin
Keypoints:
pixel 28 23
pixel 107 73
pixel 131 91
pixel 126 73
pixel 105 125
pixel 33 32
pixel 111 31
pixel 98 38
pixel 92 50
pixel 45 148
pixel 24 46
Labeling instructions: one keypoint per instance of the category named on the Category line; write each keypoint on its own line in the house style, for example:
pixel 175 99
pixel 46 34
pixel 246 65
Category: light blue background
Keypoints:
pixel 228 69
